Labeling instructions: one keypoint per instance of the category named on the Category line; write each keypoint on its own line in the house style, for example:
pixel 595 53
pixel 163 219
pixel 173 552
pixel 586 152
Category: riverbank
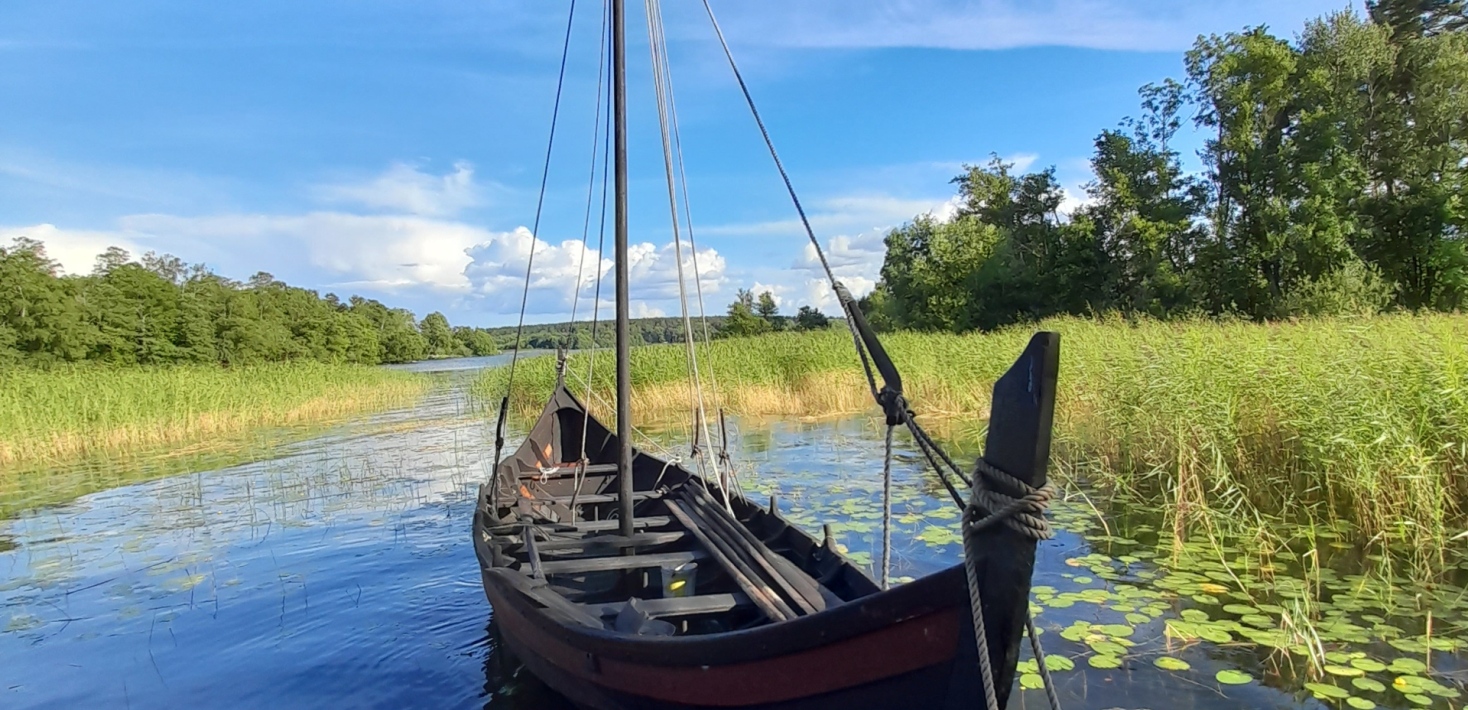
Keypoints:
pixel 63 414
pixel 1362 421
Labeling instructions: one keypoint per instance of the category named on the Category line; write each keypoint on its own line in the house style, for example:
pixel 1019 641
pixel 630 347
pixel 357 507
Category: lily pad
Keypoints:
pixel 1406 666
pixel 1233 677
pixel 1374 686
pixel 1326 691
pixel 1369 665
pixel 1031 681
pixel 1058 663
pixel 1168 663
pixel 1417 699
pixel 1104 661
pixel 1344 671
pixel 1360 703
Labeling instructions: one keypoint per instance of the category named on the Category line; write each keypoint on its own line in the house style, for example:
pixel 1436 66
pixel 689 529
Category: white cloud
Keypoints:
pixel 1143 25
pixel 75 249
pixel 406 189
pixel 386 252
pixel 496 272
pixel 844 214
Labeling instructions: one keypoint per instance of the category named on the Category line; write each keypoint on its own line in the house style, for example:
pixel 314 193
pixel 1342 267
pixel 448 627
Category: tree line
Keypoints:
pixel 1333 182
pixel 643 331
pixel 157 310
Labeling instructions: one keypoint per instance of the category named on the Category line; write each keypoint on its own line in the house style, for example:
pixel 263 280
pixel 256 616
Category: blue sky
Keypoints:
pixel 393 148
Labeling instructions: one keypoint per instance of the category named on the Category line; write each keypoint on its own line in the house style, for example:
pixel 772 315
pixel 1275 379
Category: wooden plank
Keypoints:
pixel 596 469
pixel 590 498
pixel 536 569
pixel 675 606
pixel 764 597
pixel 548 598
pixel 611 541
pixel 651 521
pixel 606 564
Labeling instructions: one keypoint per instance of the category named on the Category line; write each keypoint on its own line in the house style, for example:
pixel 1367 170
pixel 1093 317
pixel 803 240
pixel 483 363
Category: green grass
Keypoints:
pixel 1362 421
pixel 70 413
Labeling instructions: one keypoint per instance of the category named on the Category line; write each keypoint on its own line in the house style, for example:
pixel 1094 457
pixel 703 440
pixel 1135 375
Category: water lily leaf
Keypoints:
pixel 1031 681
pixel 1406 666
pixel 1344 671
pixel 1212 588
pixel 1104 661
pixel 1028 665
pixel 1083 580
pixel 1136 618
pixel 1108 648
pixel 1168 663
pixel 1214 634
pixel 1194 615
pixel 1205 599
pixel 1058 663
pixel 1325 691
pixel 1374 686
pixel 1181 629
pixel 1368 665
pixel 1075 633
pixel 1115 630
pixel 1240 609
pixel 1417 699
pixel 1360 703
pixel 1233 677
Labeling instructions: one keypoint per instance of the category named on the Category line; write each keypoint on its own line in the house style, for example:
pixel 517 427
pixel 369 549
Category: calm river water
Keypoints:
pixel 339 572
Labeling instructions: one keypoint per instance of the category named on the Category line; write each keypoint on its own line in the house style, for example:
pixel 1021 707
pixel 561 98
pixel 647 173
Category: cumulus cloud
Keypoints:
pixel 404 188
pixel 1141 25
pixel 75 249
pixel 844 214
pixel 497 272
pixel 386 252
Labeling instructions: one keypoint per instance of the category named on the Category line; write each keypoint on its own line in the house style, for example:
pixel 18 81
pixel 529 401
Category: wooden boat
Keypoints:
pixel 625 581
pixel 585 608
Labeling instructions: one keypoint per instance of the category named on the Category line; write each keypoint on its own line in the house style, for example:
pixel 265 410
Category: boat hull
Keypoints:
pixel 907 647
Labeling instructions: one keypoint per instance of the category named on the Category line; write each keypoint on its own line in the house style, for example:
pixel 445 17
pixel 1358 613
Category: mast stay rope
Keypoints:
pixel 499 428
pixel 996 497
pixel 663 88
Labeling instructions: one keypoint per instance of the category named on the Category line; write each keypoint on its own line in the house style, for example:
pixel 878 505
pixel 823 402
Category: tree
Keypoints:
pixel 808 318
pixel 440 338
pixel 742 320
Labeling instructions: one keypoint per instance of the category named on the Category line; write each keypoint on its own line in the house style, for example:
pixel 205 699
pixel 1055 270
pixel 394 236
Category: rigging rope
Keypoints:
pixel 534 234
pixel 582 460
pixel 996 497
pixel 663 87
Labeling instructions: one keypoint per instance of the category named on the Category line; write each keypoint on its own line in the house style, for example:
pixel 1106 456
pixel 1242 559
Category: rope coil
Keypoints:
pixel 998 497
pixel 1020 507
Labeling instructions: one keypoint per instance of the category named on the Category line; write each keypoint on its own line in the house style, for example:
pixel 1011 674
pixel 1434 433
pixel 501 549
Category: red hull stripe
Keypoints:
pixel 903 647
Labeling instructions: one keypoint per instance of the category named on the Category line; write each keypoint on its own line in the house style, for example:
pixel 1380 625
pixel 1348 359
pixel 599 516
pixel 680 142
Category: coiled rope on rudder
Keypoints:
pixel 998 498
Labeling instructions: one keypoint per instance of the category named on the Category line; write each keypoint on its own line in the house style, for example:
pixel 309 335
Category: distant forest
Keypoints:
pixel 157 310
pixel 1334 177
pixel 644 331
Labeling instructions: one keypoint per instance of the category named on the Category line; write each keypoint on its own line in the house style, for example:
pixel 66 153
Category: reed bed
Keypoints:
pixel 1361 421
pixel 67 413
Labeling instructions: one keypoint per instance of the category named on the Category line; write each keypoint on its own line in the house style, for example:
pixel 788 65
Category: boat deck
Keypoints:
pixel 575 561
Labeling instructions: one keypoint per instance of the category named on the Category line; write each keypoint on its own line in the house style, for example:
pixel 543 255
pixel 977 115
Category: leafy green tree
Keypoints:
pixel 808 318
pixel 743 320
pixel 440 337
pixel 39 313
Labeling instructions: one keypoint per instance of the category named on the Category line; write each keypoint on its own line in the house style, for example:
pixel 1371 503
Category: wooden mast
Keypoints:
pixel 624 365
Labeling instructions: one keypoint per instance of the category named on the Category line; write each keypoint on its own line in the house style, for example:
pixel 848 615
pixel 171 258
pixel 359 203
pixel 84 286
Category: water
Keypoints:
pixel 340 572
